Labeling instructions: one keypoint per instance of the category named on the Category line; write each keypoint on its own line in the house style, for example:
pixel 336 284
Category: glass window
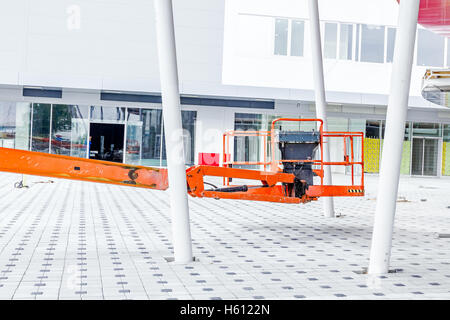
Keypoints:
pixel 279 125
pixel 446 150
pixel 346 42
pixel 107 114
pixel 247 148
pixel 282 125
pixel 373 129
pixel 15 125
pixel 446 129
pixel 426 129
pixel 309 125
pixel 152 140
pixel 135 125
pixel 281 36
pixel 330 40
pixel 61 129
pixel 337 143
pixel 390 44
pixel 7 124
pixel 189 118
pixel 40 140
pixel 356 125
pixel 407 132
pixel 406 152
pixel 372 43
pixel 430 49
pixel 79 131
pixel 297 37
pixel 448 53
pixel 69 130
pixel 145 142
pixel 372 146
pixel 358 27
pixel 23 126
pixel 337 124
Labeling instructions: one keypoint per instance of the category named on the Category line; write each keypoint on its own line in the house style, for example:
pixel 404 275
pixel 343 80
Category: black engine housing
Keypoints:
pixel 299 145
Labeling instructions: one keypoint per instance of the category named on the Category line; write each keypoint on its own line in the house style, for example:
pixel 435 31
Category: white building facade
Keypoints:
pixel 81 77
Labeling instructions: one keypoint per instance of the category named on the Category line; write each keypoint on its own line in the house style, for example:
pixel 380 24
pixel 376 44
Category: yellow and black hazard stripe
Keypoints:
pixel 355 190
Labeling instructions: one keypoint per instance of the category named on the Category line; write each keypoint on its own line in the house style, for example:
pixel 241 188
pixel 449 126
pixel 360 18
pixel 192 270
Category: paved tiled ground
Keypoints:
pixel 74 240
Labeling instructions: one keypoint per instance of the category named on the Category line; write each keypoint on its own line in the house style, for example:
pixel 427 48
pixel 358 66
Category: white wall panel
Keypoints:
pixel 249 59
pixel 222 50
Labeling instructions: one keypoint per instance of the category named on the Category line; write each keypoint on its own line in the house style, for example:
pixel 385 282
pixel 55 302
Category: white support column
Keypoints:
pixel 165 34
pixel 319 87
pixel 395 130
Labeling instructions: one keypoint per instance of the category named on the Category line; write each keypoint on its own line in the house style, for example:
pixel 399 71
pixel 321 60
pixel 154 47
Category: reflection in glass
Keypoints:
pixel 61 129
pixel 107 114
pixel 346 42
pixel 373 129
pixel 330 40
pixel 372 43
pixel 145 143
pixel 356 125
pixel 430 157
pixel 297 38
pixel 424 156
pixel 133 150
pixel 188 118
pixel 358 27
pixel 417 156
pixel 69 130
pixel 309 125
pixel 23 126
pixel 337 143
pixel 426 129
pixel 390 44
pixel 430 49
pixel 448 53
pixel 247 148
pixel 446 150
pixel 41 127
pixel 7 124
pixel 279 125
pixel 281 36
pixel 79 131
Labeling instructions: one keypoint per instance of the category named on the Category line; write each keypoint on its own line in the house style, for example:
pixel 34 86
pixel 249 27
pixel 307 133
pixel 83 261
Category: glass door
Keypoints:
pixel 430 157
pixel 424 156
pixel 417 157
pixel 133 152
pixel 247 148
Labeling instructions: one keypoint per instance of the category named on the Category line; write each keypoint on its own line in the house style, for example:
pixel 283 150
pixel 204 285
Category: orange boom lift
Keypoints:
pixel 286 180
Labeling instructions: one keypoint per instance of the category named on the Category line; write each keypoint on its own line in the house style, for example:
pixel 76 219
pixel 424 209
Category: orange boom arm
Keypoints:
pixel 56 166
pixel 293 184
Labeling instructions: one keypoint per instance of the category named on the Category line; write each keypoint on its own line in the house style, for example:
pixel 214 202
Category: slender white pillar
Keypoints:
pixel 393 139
pixel 165 35
pixel 319 87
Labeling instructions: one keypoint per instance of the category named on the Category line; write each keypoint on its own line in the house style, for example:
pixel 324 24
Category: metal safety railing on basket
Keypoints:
pixel 273 164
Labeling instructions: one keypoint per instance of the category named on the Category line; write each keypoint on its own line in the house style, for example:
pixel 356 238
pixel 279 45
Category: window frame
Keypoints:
pixel 416 51
pixel 289 37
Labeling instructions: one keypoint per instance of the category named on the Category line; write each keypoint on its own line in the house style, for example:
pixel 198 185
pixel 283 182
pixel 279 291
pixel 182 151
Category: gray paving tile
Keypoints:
pixel 74 240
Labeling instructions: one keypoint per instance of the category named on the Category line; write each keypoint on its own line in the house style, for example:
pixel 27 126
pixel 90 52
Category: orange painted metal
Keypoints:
pixel 335 191
pixel 268 190
pixel 57 166
pixel 274 185
pixel 278 193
